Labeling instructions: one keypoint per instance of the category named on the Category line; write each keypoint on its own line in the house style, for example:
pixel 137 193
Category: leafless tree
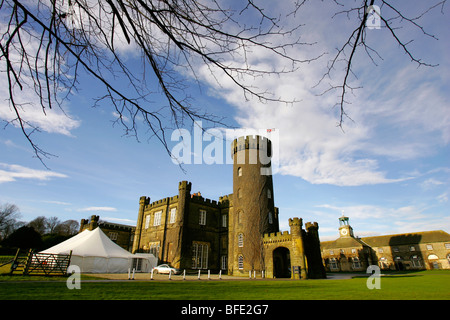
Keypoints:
pixel 9 213
pixel 47 45
pixel 390 17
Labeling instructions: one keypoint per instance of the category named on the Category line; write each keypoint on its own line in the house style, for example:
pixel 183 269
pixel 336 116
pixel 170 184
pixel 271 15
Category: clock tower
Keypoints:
pixel 345 230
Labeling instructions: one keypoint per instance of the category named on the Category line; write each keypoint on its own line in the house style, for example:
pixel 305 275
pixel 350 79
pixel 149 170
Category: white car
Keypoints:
pixel 165 268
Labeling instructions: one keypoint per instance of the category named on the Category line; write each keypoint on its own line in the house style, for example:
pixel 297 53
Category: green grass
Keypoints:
pixel 423 285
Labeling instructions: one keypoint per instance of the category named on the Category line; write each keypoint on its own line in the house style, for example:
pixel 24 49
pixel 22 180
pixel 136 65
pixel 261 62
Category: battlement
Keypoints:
pixel 311 225
pixel 251 142
pixel 161 202
pixel 295 222
pixel 205 201
pixel 185 185
pixel 276 237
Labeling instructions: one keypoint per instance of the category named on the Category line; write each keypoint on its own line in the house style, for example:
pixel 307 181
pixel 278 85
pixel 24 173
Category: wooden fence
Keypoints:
pixel 40 263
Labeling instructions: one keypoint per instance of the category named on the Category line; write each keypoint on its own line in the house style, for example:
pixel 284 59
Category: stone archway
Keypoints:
pixel 281 263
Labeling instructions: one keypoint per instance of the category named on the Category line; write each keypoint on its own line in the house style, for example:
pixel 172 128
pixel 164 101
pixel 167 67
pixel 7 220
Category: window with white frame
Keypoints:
pixel 355 263
pixel 333 264
pixel 173 215
pixel 157 218
pixel 202 218
pixel 113 236
pixel 200 255
pixel 153 248
pixel 223 262
pixel 147 221
pixel 241 262
pixel 224 220
pixel 240 240
pixel 415 260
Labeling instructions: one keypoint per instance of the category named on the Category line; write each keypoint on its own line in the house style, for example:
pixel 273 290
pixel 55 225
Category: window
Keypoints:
pixel 202 218
pixel 224 220
pixel 157 219
pixel 223 262
pixel 147 221
pixel 396 249
pixel 429 247
pixel 239 193
pixel 353 250
pixel 240 240
pixel 154 248
pixel 173 215
pixel 113 236
pixel 200 255
pixel 333 264
pixel 416 261
pixel 355 263
pixel 380 250
pixel 270 218
pixel 241 262
pixel 447 246
pixel 332 252
pixel 239 172
pixel 269 194
pixel 412 248
pixel 383 263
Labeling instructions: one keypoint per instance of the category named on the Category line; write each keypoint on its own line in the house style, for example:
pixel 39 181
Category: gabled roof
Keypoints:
pixel 407 238
pixel 343 242
pixel 388 240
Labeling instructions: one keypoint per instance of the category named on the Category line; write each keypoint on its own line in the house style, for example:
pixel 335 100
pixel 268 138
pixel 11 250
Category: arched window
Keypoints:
pixel 241 262
pixel 239 172
pixel 269 194
pixel 240 240
pixel 239 193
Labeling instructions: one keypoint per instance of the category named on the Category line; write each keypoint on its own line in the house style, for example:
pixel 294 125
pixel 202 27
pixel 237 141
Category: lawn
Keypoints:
pixel 433 285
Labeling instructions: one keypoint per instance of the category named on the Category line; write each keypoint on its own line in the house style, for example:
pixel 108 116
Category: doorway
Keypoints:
pixel 281 263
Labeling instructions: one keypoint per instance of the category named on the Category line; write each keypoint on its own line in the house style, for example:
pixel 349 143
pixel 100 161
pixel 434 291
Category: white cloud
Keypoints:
pixel 13 172
pixel 400 115
pixel 108 209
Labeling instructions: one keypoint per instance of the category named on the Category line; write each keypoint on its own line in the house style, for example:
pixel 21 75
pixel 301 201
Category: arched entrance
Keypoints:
pixel 281 263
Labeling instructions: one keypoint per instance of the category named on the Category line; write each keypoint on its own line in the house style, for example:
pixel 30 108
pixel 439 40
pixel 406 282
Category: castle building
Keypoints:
pixel 237 234
pixel 407 251
pixel 122 235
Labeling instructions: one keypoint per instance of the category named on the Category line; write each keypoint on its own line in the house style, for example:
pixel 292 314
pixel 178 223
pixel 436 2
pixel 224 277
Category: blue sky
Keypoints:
pixel 388 169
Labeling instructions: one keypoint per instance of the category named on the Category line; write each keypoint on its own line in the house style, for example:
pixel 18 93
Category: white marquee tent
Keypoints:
pixel 94 252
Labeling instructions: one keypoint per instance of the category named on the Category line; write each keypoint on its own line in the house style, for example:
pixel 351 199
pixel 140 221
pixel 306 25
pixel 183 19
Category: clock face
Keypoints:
pixel 344 232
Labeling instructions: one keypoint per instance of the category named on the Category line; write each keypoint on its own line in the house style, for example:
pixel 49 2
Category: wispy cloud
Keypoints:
pixel 88 209
pixel 14 172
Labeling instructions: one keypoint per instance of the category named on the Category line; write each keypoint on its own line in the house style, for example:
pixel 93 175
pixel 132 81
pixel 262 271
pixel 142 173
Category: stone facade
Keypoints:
pixel 407 251
pixel 239 233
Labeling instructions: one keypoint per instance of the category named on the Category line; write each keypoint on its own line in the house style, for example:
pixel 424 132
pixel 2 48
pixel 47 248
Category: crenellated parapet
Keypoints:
pixel 276 237
pixel 251 142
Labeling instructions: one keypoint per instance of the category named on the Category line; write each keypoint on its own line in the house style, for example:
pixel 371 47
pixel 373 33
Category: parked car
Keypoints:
pixel 165 268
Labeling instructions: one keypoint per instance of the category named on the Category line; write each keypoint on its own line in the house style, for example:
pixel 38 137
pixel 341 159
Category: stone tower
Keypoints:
pixel 253 204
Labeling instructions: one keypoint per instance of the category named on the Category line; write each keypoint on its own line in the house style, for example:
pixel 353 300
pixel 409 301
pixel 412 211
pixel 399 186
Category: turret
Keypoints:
pixel 143 201
pixel 298 257
pixel 253 203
